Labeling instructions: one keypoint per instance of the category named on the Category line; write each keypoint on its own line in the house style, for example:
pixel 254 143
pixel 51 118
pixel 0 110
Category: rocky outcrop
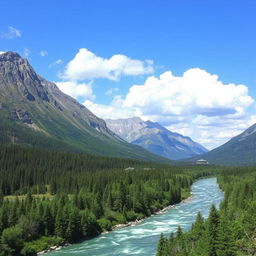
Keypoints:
pixel 23 116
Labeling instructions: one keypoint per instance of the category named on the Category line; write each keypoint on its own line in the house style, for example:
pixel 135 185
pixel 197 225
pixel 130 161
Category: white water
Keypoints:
pixel 142 239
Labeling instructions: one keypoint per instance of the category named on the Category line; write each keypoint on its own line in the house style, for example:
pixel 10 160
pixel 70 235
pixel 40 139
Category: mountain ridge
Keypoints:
pixel 239 150
pixel 28 100
pixel 155 138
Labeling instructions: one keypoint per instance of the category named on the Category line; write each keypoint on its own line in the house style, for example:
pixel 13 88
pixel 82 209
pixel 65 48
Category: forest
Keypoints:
pixel 229 231
pixel 49 198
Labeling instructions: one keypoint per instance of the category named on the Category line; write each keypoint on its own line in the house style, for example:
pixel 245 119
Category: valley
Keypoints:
pixel 142 238
pixel 69 177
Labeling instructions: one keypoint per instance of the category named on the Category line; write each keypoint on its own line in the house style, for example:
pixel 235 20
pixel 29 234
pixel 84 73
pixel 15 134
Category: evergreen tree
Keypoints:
pixel 162 248
pixel 59 224
pixel 213 231
pixel 48 221
pixel 226 244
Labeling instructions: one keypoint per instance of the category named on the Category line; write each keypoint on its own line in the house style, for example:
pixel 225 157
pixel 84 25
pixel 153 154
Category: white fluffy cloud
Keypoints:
pixel 113 111
pixel 11 33
pixel 196 104
pixel 196 92
pixel 86 65
pixel 213 131
pixel 77 90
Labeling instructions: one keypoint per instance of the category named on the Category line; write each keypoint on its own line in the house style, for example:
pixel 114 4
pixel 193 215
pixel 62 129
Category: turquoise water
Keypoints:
pixel 142 239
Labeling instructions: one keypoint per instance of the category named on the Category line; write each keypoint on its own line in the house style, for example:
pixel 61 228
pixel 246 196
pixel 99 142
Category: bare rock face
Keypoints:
pixel 20 78
pixel 155 138
pixel 23 116
pixel 20 83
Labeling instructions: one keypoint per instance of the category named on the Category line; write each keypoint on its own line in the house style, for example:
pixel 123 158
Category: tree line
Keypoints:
pixel 82 195
pixel 229 231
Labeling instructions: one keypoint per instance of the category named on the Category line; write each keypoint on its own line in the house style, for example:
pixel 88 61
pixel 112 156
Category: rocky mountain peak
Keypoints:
pixel 12 61
pixel 155 138
pixel 10 56
pixel 20 83
pixel 19 79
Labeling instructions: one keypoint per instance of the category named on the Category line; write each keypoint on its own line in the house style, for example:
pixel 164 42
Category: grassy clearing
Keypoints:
pixel 20 197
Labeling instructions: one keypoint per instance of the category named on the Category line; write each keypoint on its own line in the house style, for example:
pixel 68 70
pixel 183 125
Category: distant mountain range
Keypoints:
pixel 240 150
pixel 155 138
pixel 33 111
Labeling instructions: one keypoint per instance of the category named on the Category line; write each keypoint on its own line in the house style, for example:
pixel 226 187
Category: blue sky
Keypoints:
pixel 152 37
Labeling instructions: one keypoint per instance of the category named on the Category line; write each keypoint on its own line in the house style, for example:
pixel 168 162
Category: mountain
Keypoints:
pixel 240 150
pixel 33 111
pixel 155 138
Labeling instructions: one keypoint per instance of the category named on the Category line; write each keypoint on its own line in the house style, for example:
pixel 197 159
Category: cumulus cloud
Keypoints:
pixel 112 111
pixel 196 92
pixel 1 52
pixel 86 65
pixel 11 33
pixel 76 90
pixel 43 53
pixel 213 131
pixel 196 104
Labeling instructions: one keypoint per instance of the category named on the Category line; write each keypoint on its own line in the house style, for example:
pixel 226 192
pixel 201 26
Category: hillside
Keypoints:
pixel 240 150
pixel 33 111
pixel 155 138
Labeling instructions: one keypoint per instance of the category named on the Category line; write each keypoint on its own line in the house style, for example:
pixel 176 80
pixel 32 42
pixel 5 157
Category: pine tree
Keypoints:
pixel 73 232
pixel 48 221
pixel 198 227
pixel 213 231
pixel 162 248
pixel 226 244
pixel 59 224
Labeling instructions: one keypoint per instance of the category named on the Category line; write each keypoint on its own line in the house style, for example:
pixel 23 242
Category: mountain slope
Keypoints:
pixel 35 112
pixel 155 138
pixel 240 150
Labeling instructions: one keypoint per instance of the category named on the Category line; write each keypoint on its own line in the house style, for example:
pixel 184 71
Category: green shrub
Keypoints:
pixel 131 216
pixel 105 224
pixel 12 239
pixel 41 244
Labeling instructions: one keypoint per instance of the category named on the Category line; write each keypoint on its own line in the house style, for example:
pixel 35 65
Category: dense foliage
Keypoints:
pixel 80 195
pixel 29 168
pixel 228 232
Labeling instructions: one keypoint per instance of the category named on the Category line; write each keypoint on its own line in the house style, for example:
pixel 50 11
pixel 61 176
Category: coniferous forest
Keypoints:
pixel 50 198
pixel 128 128
pixel 230 231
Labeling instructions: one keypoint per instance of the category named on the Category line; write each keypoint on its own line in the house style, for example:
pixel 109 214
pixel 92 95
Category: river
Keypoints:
pixel 142 239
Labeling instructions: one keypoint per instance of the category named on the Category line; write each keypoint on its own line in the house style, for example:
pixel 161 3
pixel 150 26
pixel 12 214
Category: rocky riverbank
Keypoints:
pixel 53 248
pixel 120 226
